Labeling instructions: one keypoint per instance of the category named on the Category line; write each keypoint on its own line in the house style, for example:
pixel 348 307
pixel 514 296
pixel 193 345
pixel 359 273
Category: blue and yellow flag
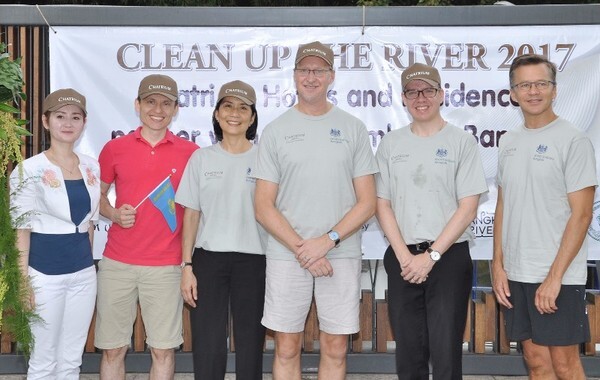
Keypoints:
pixel 163 198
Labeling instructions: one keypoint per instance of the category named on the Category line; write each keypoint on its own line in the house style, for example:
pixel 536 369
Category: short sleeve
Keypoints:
pixel 364 161
pixel 580 165
pixel 383 176
pixel 106 161
pixel 188 194
pixel 267 164
pixel 470 177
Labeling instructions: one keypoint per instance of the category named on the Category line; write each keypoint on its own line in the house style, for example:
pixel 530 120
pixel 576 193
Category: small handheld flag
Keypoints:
pixel 163 198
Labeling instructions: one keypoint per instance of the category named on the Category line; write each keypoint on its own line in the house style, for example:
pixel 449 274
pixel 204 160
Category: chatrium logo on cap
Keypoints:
pixel 313 50
pixel 159 87
pixel 418 73
pixel 68 99
pixel 158 84
pixel 63 97
pixel 238 91
pixel 316 49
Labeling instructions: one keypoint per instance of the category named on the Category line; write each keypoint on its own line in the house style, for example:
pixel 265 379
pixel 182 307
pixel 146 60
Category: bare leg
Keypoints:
pixel 112 364
pixel 567 362
pixel 538 361
pixel 332 364
pixel 163 364
pixel 286 364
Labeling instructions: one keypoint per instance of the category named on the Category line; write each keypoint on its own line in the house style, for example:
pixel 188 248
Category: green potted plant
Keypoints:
pixel 14 287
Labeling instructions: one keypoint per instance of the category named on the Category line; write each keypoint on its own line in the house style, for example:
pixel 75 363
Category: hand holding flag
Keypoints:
pixel 163 198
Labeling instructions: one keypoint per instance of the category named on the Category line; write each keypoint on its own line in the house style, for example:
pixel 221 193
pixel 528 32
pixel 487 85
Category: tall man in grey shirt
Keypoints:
pixel 546 183
pixel 315 189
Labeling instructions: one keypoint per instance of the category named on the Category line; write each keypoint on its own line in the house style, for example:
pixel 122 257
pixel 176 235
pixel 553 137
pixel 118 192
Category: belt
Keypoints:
pixel 419 247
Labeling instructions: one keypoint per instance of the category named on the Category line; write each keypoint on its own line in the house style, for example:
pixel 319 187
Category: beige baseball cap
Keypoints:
pixel 422 72
pixel 238 89
pixel 63 97
pixel 315 49
pixel 158 84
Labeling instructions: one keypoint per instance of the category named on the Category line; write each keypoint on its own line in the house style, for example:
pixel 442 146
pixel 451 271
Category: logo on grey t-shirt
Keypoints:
pixel 508 152
pixel 249 177
pixel 399 158
pixel 541 153
pixel 336 136
pixel 216 174
pixel 594 229
pixel 294 138
pixel 441 152
pixel 441 156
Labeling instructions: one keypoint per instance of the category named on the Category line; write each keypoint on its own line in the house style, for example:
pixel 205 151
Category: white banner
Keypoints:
pixel 107 64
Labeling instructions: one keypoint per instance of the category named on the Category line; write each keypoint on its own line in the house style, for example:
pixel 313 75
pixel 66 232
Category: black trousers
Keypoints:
pixel 226 278
pixel 428 319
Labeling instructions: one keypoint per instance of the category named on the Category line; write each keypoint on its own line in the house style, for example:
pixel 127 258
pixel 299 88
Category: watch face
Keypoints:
pixel 435 255
pixel 334 235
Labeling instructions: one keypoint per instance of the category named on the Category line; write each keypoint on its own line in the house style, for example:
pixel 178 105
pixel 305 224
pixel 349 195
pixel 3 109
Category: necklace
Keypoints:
pixel 70 171
pixel 55 161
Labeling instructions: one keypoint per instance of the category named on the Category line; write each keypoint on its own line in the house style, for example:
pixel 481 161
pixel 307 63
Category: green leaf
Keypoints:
pixel 22 131
pixel 20 122
pixel 6 108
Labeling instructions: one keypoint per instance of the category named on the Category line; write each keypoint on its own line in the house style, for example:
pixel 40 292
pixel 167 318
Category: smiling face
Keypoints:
pixel 156 111
pixel 234 117
pixel 65 124
pixel 422 109
pixel 313 89
pixel 535 102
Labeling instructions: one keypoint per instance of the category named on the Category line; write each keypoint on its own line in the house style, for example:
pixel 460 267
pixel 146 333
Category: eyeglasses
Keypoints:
pixel 429 93
pixel 319 73
pixel 539 85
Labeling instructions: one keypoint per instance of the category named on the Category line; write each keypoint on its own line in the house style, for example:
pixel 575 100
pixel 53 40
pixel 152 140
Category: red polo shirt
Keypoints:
pixel 136 168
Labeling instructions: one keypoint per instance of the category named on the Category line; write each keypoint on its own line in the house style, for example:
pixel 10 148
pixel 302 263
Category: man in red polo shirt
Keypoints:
pixel 142 258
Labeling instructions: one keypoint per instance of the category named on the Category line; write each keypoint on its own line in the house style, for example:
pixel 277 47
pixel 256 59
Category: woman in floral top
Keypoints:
pixel 54 201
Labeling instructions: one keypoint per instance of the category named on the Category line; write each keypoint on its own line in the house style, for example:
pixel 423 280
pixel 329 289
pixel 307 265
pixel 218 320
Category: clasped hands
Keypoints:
pixel 415 269
pixel 310 254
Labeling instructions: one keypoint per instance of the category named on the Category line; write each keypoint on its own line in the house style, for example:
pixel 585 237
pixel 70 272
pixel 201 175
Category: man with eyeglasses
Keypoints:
pixel 546 183
pixel 314 190
pixel 428 187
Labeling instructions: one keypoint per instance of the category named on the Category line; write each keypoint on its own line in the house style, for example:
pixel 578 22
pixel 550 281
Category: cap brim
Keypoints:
pixel 147 94
pixel 428 81
pixel 59 106
pixel 243 99
pixel 314 55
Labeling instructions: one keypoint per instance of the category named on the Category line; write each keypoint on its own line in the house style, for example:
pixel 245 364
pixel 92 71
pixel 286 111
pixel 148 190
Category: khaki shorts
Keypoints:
pixel 290 289
pixel 119 288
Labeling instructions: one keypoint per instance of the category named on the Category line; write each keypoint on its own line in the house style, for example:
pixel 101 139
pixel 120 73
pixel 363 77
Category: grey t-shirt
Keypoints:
pixel 221 186
pixel 425 177
pixel 314 159
pixel 537 168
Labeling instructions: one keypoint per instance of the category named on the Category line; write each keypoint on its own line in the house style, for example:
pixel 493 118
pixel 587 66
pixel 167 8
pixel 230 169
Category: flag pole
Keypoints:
pixel 153 190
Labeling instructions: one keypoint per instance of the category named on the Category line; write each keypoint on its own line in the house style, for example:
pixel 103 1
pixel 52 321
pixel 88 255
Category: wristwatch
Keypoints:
pixel 334 236
pixel 435 255
pixel 185 264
